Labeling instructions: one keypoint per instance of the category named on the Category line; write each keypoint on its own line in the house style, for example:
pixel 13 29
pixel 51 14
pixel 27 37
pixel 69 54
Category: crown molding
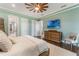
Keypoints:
pixel 60 11
pixel 43 17
pixel 17 13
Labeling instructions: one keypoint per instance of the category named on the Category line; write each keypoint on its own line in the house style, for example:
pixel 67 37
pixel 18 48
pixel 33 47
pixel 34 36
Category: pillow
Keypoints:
pixel 13 39
pixel 17 39
pixel 5 43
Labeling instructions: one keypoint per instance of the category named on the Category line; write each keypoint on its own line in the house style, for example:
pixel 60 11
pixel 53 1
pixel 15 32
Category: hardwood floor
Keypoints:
pixel 66 46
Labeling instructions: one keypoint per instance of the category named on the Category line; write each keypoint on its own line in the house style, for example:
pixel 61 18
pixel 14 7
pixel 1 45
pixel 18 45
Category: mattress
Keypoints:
pixel 26 46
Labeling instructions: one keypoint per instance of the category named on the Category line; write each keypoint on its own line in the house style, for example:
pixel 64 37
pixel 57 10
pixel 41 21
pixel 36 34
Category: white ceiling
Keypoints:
pixel 21 8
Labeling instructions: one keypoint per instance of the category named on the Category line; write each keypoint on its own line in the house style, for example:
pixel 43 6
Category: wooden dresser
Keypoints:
pixel 53 35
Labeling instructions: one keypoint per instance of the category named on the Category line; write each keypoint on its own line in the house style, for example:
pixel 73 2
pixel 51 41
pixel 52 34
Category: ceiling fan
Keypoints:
pixel 37 7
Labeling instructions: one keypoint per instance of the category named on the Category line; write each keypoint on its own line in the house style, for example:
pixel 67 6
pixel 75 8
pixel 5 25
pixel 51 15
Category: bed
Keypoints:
pixel 25 45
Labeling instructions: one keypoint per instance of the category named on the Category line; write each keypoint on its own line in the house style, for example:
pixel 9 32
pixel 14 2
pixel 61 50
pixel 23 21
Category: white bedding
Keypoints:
pixel 27 46
pixel 42 45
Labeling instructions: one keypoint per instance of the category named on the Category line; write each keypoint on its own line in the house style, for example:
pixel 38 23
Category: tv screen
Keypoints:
pixel 54 23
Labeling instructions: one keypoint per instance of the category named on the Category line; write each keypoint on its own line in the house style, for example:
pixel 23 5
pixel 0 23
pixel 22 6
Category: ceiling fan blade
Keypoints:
pixel 34 10
pixel 28 7
pixel 45 6
pixel 31 9
pixel 27 4
pixel 44 3
pixel 38 11
pixel 32 3
pixel 41 11
pixel 44 9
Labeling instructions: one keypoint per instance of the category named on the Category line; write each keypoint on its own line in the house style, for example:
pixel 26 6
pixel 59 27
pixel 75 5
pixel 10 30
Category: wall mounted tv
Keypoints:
pixel 53 23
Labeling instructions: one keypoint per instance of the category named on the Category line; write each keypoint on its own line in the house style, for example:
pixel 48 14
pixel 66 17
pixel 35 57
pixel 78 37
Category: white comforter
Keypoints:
pixel 27 46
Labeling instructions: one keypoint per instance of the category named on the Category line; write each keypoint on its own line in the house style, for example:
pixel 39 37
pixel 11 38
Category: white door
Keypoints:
pixel 13 25
pixel 37 28
pixel 24 27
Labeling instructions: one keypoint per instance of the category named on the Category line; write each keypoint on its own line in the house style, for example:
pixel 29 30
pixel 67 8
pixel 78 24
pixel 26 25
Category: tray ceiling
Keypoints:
pixel 21 8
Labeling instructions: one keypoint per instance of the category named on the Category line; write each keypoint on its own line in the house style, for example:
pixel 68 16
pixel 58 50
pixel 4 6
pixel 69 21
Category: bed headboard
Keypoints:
pixel 2 24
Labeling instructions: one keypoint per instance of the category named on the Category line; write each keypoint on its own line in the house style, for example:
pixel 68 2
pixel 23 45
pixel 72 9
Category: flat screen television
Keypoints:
pixel 53 24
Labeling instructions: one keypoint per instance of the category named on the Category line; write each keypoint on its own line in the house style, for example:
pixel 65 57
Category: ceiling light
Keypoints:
pixel 13 5
pixel 37 7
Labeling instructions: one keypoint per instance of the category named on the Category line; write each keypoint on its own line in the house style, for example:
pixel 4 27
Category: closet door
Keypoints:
pixel 24 27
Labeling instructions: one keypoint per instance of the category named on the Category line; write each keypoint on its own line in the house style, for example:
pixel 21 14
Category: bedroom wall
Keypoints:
pixel 69 21
pixel 4 14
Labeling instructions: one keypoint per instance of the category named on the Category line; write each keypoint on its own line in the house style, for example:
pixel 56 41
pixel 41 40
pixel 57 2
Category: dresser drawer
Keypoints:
pixel 56 34
pixel 53 35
